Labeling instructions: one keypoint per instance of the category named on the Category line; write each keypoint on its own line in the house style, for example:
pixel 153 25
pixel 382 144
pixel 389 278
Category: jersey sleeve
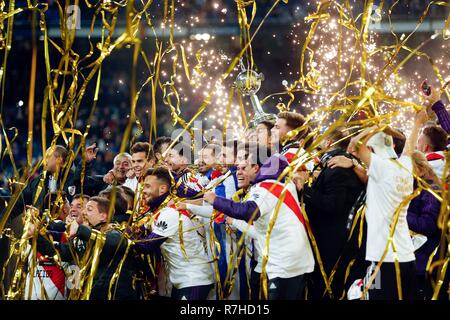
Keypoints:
pixel 205 211
pixel 263 200
pixel 376 167
pixel 244 227
pixel 167 223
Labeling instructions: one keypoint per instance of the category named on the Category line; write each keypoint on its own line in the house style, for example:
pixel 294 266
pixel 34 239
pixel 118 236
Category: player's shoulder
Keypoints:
pixel 264 187
pixel 166 211
pixel 268 183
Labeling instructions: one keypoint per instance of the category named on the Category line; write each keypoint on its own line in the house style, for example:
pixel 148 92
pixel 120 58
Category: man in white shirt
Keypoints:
pixel 177 160
pixel 274 209
pixel 222 244
pixel 220 241
pixel 389 188
pixel 189 269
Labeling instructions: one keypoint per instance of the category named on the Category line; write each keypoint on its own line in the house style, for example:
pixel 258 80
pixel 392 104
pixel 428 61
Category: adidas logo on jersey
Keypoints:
pixel 161 225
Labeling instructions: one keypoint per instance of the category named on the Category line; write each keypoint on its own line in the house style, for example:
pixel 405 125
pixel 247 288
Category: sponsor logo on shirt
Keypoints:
pixel 161 225
pixel 402 184
pixel 43 273
pixel 255 196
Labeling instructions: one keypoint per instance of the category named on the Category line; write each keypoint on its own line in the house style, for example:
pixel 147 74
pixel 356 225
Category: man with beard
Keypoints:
pixel 208 163
pixel 227 166
pixel 188 266
pixel 224 185
pixel 273 204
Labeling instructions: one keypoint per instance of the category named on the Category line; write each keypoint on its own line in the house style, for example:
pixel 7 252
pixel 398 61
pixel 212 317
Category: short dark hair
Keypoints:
pixel 269 125
pixel 61 151
pixel 294 120
pixel 162 174
pixel 143 147
pixel 260 156
pixel 159 142
pixel 84 197
pixel 102 204
pixel 399 143
pixel 340 137
pixel 120 204
pixel 437 137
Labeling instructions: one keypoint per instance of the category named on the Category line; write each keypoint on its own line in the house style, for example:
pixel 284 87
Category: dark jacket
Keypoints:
pixel 111 255
pixel 28 194
pixel 422 216
pixel 92 185
pixel 328 202
pixel 442 115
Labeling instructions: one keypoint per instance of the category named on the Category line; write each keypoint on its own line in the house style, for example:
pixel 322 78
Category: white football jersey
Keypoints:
pixel 189 268
pixel 289 250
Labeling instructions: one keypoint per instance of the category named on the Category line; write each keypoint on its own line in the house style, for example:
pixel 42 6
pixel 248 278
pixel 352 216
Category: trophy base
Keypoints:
pixel 258 118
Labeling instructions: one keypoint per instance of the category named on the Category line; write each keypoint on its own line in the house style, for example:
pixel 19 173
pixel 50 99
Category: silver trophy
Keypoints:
pixel 248 83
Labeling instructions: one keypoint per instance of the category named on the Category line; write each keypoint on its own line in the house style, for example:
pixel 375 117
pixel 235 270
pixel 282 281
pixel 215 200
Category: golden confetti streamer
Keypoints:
pixel 368 79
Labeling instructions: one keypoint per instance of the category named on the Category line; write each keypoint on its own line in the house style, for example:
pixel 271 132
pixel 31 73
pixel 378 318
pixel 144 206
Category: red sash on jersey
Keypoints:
pixel 290 156
pixel 434 156
pixel 183 212
pixel 53 270
pixel 289 200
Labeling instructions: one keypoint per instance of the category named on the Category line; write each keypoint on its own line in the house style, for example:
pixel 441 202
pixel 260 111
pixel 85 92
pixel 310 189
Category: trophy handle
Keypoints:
pixel 256 104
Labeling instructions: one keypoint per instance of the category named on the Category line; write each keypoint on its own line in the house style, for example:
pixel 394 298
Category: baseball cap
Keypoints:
pixel 382 145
